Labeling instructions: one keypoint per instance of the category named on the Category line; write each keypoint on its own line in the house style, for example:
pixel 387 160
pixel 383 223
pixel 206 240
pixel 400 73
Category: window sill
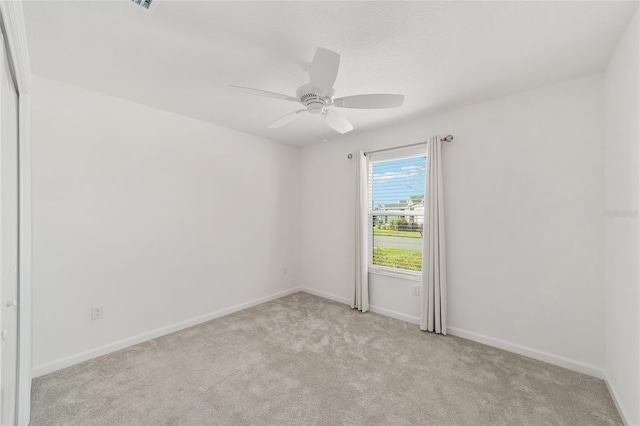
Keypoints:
pixel 405 275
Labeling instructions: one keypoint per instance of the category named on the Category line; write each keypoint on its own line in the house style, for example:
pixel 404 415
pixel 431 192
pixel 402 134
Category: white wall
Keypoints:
pixel 622 231
pixel 524 201
pixel 165 221
pixel 159 218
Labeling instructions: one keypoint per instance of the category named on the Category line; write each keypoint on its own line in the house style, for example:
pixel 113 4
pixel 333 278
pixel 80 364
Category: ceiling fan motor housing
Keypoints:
pixel 314 99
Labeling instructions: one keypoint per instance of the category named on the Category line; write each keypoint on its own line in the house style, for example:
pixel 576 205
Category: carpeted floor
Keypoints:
pixel 303 360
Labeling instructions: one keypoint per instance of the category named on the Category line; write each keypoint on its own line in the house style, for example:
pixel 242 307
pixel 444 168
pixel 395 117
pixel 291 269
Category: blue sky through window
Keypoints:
pixel 396 180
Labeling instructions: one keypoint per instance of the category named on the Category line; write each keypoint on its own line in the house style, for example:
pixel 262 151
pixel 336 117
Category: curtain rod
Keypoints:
pixel 447 139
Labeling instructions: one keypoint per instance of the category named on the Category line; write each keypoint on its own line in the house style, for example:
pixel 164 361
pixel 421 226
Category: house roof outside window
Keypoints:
pixel 413 202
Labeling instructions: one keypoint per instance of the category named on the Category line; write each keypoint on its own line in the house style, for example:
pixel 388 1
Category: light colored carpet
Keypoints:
pixel 304 360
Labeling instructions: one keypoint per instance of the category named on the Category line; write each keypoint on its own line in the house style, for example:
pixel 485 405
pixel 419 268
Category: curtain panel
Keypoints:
pixel 360 291
pixel 434 273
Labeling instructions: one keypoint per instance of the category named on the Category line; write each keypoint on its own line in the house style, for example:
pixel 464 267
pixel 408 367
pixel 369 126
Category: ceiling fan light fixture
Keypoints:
pixel 317 96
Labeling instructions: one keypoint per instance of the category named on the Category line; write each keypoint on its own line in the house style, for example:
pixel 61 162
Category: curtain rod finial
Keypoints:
pixel 447 138
pixel 349 156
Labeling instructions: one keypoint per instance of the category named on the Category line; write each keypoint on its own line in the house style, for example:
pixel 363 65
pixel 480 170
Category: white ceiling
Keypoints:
pixel 183 55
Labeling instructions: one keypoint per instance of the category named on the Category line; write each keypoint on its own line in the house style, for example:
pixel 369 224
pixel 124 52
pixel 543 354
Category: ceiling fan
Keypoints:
pixel 317 96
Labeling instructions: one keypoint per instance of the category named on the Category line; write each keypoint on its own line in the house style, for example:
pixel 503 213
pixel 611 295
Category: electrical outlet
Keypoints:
pixel 415 290
pixel 97 312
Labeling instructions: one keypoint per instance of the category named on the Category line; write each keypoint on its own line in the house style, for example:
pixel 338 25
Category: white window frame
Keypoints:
pixel 389 155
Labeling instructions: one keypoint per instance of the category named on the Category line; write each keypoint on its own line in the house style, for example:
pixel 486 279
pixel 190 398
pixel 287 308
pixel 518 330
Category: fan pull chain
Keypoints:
pixel 324 116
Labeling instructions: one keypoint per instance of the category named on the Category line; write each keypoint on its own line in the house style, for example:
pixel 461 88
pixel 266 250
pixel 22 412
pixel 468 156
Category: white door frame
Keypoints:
pixel 12 21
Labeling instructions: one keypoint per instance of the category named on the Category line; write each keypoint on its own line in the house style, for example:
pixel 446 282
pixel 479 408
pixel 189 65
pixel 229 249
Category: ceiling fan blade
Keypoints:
pixel 337 122
pixel 324 69
pixel 369 101
pixel 264 93
pixel 285 119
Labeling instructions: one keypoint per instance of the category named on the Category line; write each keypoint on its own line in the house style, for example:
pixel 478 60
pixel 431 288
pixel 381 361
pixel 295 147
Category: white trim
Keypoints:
pixel 61 363
pixel 616 400
pixel 395 273
pixel 393 314
pixel 396 213
pixel 550 358
pixel 18 53
pixel 390 154
pixel 374 309
pixel 329 296
pixel 25 321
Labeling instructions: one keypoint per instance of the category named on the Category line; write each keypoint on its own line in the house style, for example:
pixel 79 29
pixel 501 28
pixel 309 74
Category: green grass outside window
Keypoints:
pixel 399 258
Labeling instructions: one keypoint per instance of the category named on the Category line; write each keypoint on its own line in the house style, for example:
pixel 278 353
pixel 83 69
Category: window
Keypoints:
pixel 396 211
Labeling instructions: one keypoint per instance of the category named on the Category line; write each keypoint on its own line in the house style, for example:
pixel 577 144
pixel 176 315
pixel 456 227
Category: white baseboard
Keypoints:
pixel 616 401
pixel 394 314
pixel 335 298
pixel 550 358
pixel 511 347
pixel 375 309
pixel 61 363
pixel 558 360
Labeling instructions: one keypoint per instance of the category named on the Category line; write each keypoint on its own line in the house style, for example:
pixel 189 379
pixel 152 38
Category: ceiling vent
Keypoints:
pixel 144 3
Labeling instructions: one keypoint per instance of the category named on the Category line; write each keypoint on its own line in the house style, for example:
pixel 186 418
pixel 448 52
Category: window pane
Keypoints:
pixel 397 242
pixel 397 186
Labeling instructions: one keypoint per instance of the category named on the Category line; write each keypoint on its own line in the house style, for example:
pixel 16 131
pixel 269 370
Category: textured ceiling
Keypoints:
pixel 182 56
